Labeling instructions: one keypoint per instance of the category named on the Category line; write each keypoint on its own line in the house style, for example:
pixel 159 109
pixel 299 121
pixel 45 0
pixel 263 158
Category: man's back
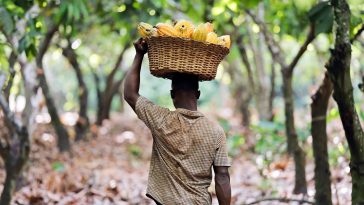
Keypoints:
pixel 185 146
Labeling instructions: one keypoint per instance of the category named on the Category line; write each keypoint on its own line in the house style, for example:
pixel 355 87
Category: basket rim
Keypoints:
pixel 227 50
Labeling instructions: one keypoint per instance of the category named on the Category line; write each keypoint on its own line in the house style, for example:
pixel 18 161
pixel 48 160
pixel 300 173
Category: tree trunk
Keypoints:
pixel 292 138
pixel 263 86
pixel 241 92
pixel 243 98
pixel 272 92
pixel 114 90
pixel 62 135
pixel 12 60
pixel 105 97
pixel 99 98
pixel 245 60
pixel 261 94
pixel 28 72
pixel 15 152
pixel 338 68
pixel 15 158
pixel 9 188
pixel 83 123
pixel 319 106
pixel 244 93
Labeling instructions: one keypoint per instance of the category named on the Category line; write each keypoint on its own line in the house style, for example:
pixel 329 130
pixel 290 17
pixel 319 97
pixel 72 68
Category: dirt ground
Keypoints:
pixel 112 168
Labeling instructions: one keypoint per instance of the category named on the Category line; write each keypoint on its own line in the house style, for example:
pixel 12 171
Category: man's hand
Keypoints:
pixel 141 46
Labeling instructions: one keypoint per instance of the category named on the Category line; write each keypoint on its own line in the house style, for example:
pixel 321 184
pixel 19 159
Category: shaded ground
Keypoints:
pixel 113 168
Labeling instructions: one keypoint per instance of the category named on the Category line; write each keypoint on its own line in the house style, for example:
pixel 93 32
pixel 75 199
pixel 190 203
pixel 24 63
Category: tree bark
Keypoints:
pixel 245 97
pixel 292 138
pixel 12 60
pixel 99 98
pixel 83 122
pixel 338 68
pixel 62 135
pixel 9 188
pixel 272 93
pixel 16 152
pixel 319 106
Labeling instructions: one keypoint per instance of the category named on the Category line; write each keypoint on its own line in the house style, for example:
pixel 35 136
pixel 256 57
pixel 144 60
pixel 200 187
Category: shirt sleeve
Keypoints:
pixel 221 156
pixel 150 113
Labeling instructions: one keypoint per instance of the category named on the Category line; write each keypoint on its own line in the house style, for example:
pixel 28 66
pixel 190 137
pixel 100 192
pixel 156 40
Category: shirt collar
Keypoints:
pixel 189 112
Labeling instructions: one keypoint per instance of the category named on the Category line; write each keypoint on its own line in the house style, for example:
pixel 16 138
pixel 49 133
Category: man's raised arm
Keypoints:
pixel 132 80
pixel 222 185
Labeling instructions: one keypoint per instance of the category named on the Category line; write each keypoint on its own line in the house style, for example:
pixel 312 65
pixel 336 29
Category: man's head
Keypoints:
pixel 184 91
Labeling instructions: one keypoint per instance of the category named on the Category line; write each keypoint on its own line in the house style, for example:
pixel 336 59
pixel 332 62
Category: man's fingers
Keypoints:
pixel 138 41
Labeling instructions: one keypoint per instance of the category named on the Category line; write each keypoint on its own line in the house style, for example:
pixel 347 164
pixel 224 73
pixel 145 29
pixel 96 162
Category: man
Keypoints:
pixel 185 144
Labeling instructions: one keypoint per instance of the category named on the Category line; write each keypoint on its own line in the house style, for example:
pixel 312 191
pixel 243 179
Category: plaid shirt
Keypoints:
pixel 185 146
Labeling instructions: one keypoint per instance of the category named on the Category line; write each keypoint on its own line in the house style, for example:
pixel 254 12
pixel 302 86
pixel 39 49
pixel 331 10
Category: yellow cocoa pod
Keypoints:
pixel 224 41
pixel 146 30
pixel 184 28
pixel 164 29
pixel 209 27
pixel 200 33
pixel 211 38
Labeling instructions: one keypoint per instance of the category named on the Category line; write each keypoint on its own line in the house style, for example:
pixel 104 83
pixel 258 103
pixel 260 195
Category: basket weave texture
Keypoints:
pixel 168 55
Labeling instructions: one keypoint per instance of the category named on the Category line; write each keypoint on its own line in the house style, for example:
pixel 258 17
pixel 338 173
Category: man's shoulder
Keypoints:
pixel 213 125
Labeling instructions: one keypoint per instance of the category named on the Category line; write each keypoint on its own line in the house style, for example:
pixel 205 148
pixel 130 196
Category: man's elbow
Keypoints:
pixel 130 97
pixel 127 96
pixel 222 178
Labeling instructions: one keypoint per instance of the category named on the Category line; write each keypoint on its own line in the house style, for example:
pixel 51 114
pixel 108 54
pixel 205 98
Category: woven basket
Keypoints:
pixel 169 55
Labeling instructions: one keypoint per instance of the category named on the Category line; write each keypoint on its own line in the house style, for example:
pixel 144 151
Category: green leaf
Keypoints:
pixel 61 13
pixel 249 3
pixel 76 13
pixel 25 4
pixel 83 9
pixel 321 15
pixel 6 22
pixel 70 12
pixel 57 166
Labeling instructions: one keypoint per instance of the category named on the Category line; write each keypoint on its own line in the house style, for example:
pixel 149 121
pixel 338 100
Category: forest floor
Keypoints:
pixel 112 168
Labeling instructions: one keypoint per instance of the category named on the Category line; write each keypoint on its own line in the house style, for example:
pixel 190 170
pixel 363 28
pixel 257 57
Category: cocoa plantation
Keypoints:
pixel 182 102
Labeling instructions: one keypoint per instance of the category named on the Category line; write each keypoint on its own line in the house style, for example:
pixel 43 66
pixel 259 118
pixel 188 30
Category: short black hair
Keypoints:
pixel 183 81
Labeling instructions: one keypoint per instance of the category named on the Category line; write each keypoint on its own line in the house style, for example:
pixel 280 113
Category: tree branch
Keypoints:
pixel 12 60
pixel 244 58
pixel 9 116
pixel 273 45
pixel 282 199
pixel 310 37
pixel 45 44
pixel 119 60
pixel 356 36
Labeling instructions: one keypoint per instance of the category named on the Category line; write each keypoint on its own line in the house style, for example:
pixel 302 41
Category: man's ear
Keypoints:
pixel 172 94
pixel 198 93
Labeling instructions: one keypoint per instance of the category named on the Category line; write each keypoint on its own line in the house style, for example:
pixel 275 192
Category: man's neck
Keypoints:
pixel 188 106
